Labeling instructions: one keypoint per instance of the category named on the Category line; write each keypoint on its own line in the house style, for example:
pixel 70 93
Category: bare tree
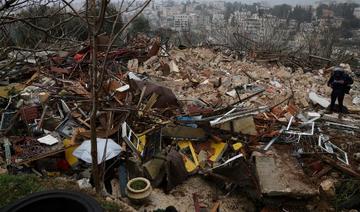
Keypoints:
pixel 52 33
pixel 319 38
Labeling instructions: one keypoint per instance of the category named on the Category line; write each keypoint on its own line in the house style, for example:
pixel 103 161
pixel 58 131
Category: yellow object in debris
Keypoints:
pixel 72 160
pixel 4 90
pixel 237 146
pixel 53 174
pixel 142 143
pixel 189 155
pixel 219 148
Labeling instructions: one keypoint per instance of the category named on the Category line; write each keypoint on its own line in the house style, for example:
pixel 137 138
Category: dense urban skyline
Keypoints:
pixel 270 2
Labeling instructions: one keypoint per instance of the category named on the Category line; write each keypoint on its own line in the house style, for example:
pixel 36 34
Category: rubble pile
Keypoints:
pixel 165 115
pixel 213 77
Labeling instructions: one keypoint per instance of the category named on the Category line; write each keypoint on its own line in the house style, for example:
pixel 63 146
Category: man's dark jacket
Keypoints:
pixel 335 82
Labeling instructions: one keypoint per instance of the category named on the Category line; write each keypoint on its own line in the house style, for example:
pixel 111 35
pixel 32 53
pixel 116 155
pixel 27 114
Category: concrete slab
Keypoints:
pixel 280 175
pixel 317 99
pixel 244 125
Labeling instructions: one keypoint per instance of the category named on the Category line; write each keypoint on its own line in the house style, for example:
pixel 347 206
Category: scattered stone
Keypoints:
pixel 232 93
pixel 283 74
pixel 328 187
pixel 317 99
pixel 84 183
pixel 133 65
pixel 173 67
pixel 357 156
pixel 356 100
pixel 151 61
pixel 3 170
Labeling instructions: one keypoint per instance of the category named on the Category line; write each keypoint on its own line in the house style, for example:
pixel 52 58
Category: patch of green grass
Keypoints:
pixel 110 206
pixel 14 187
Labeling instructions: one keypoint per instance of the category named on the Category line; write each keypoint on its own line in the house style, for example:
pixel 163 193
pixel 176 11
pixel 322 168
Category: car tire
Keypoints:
pixel 55 201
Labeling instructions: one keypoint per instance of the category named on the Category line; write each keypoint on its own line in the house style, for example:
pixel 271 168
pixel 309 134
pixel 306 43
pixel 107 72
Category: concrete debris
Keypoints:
pixel 190 112
pixel 245 126
pixel 133 65
pixel 174 67
pixel 356 101
pixel 181 197
pixel 316 99
pixel 282 166
pixel 151 61
pixel 328 187
pixel 84 183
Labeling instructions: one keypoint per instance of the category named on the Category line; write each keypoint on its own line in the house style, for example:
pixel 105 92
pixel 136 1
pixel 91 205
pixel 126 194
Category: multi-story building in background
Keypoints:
pixel 357 12
pixel 181 22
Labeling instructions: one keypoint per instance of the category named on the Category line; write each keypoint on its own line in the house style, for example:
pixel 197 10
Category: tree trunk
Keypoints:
pixel 93 45
pixel 95 167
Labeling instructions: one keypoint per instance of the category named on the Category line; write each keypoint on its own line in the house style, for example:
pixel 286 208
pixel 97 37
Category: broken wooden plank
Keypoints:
pixel 340 167
pixel 151 102
pixel 41 156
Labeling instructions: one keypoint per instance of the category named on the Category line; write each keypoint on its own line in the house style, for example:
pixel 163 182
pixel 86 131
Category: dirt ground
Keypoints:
pixel 181 197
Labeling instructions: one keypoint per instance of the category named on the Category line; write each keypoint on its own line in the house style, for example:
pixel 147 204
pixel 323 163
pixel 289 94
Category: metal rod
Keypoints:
pixel 273 140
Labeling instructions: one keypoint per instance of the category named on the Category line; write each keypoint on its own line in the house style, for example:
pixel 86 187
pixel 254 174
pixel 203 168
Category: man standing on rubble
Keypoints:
pixel 340 83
